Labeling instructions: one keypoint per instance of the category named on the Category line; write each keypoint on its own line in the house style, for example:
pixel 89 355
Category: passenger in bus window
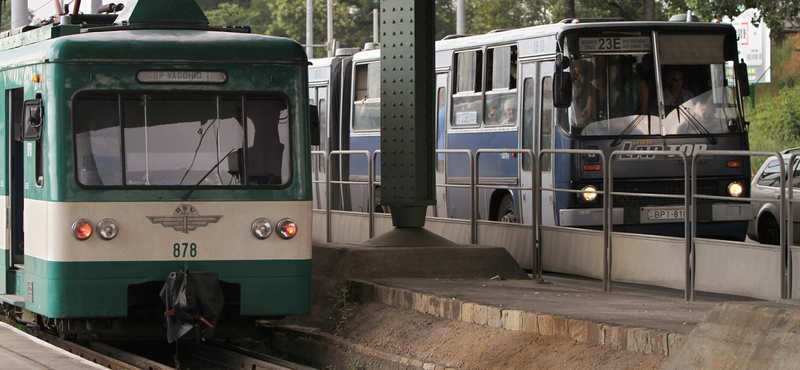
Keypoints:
pixel 645 85
pixel 510 108
pixel 493 115
pixel 583 91
pixel 674 93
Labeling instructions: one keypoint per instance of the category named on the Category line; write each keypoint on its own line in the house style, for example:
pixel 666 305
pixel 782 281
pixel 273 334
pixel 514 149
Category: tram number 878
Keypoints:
pixel 185 248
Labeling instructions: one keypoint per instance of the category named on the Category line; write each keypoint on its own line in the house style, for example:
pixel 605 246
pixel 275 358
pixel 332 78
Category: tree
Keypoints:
pixel 773 13
pixel 233 14
pixel 484 16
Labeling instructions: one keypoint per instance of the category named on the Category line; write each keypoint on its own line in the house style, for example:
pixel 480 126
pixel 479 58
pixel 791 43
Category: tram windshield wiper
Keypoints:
pixel 628 129
pixel 188 193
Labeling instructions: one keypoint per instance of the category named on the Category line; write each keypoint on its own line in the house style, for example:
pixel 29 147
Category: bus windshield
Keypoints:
pixel 173 139
pixel 621 89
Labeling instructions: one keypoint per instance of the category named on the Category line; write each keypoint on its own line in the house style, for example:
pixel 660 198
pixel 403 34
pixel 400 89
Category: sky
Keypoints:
pixel 43 9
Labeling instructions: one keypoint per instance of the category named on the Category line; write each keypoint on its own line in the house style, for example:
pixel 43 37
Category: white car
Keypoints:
pixel 766 185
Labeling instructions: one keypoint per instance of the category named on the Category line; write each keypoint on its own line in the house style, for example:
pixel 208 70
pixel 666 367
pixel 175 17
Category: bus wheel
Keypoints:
pixel 506 212
pixel 769 232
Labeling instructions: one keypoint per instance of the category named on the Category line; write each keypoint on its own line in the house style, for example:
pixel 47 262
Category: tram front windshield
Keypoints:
pixel 173 139
pixel 621 89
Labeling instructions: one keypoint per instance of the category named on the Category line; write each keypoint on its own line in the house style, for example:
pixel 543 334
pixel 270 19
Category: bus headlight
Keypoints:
pixel 262 228
pixel 735 189
pixel 107 229
pixel 589 193
pixel 82 229
pixel 287 228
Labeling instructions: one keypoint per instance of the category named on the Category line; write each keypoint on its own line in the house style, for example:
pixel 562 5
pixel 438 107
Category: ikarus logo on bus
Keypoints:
pixel 649 145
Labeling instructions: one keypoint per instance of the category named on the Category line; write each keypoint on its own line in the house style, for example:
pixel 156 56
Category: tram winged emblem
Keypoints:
pixel 184 218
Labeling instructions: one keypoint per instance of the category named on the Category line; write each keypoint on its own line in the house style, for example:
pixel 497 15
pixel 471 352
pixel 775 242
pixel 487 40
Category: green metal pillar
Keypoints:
pixel 407 109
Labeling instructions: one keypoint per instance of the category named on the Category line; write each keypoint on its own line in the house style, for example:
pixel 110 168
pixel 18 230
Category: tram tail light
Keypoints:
pixel 592 167
pixel 82 229
pixel 734 164
pixel 287 228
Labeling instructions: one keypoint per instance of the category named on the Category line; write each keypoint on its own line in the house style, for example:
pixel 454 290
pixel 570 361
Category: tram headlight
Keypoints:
pixel 735 189
pixel 107 229
pixel 82 229
pixel 262 228
pixel 589 193
pixel 287 228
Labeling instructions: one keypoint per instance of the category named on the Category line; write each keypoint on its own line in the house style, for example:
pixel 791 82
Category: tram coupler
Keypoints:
pixel 191 298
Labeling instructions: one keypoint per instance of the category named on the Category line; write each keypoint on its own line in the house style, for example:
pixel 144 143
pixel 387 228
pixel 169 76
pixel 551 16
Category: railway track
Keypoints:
pixel 208 355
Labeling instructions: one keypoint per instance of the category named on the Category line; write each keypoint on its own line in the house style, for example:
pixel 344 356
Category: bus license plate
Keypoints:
pixel 666 214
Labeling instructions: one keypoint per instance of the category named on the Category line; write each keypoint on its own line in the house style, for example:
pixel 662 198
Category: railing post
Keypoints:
pixel 790 228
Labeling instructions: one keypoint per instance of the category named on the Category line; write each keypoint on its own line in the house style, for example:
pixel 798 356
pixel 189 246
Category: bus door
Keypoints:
pixel 545 140
pixel 319 96
pixel 440 209
pixel 537 128
pixel 16 181
pixel 530 105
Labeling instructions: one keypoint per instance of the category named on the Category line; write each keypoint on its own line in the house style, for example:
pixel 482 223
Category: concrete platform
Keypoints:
pixel 632 319
pixel 738 335
pixel 485 286
pixel 19 351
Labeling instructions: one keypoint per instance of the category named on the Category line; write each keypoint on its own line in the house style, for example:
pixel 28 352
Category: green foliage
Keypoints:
pixel 353 19
pixel 343 302
pixel 232 14
pixel 485 16
pixel 452 295
pixel 775 123
pixel 775 120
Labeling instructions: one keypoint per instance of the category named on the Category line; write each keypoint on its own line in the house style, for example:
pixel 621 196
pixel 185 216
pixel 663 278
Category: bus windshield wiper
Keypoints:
pixel 695 124
pixel 188 193
pixel 628 129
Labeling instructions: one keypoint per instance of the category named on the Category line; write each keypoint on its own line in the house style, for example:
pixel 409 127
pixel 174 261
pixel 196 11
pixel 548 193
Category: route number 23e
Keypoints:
pixel 184 250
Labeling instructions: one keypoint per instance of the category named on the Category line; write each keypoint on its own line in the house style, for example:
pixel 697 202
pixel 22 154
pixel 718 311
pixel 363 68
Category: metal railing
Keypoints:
pixel 690 198
pixel 688 209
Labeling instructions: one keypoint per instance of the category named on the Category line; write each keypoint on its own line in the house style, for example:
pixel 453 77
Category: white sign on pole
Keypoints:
pixel 754 46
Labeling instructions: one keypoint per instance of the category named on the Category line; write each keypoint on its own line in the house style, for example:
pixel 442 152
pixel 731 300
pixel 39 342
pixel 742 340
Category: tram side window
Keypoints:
pixel 181 140
pixel 467 99
pixel 366 99
pixel 501 81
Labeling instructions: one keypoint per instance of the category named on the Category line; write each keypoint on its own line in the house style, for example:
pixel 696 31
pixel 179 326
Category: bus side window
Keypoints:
pixel 527 121
pixel 366 100
pixel 441 113
pixel 467 100
pixel 501 84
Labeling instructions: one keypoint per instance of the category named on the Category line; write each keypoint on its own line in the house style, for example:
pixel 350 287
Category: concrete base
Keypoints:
pixel 351 261
pixel 409 237
pixel 739 335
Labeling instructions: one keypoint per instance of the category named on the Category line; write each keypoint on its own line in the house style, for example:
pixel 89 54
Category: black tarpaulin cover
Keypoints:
pixel 191 298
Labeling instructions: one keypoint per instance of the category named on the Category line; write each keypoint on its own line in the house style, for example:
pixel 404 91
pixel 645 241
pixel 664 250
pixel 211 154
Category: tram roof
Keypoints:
pixel 158 45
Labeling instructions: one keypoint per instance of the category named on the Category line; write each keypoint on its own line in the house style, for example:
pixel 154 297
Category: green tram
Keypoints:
pixel 156 171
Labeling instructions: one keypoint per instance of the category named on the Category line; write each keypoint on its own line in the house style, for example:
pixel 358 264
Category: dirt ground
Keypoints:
pixel 452 344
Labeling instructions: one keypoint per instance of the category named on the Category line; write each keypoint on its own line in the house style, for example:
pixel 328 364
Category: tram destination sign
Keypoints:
pixel 183 76
pixel 614 44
